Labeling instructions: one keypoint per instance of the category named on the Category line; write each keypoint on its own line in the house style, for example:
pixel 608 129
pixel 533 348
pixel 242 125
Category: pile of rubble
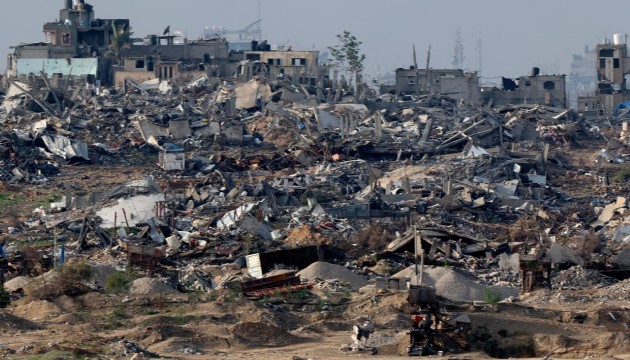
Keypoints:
pixel 235 184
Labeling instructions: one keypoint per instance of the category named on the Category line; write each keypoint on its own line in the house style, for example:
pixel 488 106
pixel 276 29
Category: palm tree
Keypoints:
pixel 120 40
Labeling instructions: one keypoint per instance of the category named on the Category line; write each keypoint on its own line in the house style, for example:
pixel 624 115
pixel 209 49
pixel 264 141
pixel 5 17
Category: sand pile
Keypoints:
pixel 258 334
pixel 454 285
pixel 326 271
pixel 305 235
pixel 38 310
pixel 151 286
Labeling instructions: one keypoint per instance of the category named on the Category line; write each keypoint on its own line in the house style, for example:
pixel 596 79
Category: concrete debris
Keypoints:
pixel 327 271
pixel 260 177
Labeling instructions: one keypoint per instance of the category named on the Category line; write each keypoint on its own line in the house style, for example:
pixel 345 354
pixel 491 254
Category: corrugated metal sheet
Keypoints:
pixel 253 266
pixel 261 263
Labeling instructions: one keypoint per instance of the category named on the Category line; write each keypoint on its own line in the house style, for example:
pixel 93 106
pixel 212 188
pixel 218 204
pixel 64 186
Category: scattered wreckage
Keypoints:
pixel 239 175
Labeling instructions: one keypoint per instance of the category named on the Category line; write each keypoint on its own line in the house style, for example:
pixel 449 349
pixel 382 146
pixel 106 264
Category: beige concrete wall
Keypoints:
pixel 139 76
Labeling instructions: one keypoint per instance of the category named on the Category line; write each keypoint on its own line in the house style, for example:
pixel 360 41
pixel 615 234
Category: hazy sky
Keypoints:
pixel 516 35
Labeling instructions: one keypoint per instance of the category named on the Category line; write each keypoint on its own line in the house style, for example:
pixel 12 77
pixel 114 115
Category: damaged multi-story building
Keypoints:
pixel 165 57
pixel 613 70
pixel 534 88
pixel 454 83
pixel 299 67
pixel 80 46
pixel 75 46
pixel 459 85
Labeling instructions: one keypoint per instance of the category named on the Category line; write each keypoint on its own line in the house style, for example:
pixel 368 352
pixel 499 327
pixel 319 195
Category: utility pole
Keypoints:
pixel 415 252
pixel 418 250
pixel 415 66
pixel 427 84
pixel 259 20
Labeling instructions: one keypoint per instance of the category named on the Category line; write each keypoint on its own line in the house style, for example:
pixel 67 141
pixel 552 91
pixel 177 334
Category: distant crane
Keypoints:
pixel 252 31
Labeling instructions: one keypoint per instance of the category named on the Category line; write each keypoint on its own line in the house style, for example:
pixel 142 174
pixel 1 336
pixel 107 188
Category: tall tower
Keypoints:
pixel 458 56
pixel 478 53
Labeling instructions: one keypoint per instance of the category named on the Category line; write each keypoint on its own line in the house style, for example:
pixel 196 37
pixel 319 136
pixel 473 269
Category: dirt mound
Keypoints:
pixel 389 342
pixel 327 271
pixel 11 322
pixel 157 333
pixel 39 310
pixel 66 303
pixel 388 310
pixel 454 285
pixel 560 345
pixel 305 235
pixel 19 282
pixel 262 334
pixel 151 286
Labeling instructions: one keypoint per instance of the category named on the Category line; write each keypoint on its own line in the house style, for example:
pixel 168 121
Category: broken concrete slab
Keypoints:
pixel 249 94
pixel 609 211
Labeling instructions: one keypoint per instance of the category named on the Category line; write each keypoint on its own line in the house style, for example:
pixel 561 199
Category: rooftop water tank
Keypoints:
pixel 618 39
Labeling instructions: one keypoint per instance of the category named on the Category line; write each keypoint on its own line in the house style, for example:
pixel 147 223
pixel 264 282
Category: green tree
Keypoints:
pixel 347 55
pixel 121 39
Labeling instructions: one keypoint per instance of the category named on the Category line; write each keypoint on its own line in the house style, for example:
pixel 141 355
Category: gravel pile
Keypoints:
pixel 326 271
pixel 617 292
pixel 454 285
pixel 151 286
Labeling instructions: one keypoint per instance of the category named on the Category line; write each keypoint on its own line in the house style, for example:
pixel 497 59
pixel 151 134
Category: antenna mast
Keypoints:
pixel 458 56
pixel 478 52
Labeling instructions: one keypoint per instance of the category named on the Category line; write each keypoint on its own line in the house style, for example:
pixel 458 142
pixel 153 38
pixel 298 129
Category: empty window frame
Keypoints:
pixel 298 62
pixel 549 85
pixel 51 37
pixel 66 39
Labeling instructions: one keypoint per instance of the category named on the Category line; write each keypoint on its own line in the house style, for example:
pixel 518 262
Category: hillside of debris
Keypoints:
pixel 172 224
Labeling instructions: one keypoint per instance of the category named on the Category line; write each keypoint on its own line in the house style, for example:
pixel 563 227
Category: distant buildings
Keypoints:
pixel 101 51
pixel 459 85
pixel 582 78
